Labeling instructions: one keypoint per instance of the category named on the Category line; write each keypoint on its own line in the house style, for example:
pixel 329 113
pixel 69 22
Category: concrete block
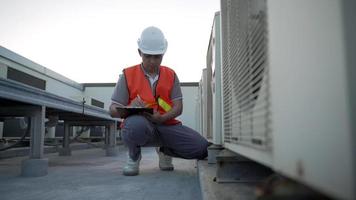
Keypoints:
pixel 34 167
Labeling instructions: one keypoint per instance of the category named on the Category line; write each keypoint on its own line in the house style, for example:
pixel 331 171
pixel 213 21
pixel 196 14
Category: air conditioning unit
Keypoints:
pixel 199 108
pixel 206 103
pixel 288 85
pixel 214 63
pixel 198 119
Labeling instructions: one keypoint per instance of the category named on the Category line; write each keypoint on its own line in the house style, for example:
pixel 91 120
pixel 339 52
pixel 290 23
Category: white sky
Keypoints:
pixel 93 40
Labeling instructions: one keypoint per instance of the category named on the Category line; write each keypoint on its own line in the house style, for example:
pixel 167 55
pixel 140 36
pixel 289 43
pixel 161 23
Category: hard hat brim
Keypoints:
pixel 145 51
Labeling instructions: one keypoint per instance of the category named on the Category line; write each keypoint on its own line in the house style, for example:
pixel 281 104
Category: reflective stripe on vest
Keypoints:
pixel 164 105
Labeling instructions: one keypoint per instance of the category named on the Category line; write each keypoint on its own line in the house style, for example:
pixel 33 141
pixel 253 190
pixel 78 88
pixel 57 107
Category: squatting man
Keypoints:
pixel 149 84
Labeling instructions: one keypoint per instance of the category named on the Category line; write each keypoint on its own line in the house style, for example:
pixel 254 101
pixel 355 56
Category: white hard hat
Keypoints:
pixel 152 41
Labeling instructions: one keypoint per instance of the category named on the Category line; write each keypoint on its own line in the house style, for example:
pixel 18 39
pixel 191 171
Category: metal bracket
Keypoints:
pixel 233 167
pixel 213 151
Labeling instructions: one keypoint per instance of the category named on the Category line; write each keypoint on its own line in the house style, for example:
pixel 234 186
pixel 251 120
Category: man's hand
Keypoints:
pixel 138 102
pixel 115 113
pixel 156 117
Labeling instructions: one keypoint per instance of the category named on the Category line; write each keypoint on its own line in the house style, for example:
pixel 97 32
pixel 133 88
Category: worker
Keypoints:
pixel 149 84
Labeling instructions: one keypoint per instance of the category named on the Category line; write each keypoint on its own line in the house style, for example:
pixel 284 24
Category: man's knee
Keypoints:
pixel 134 128
pixel 197 151
pixel 134 123
pixel 202 150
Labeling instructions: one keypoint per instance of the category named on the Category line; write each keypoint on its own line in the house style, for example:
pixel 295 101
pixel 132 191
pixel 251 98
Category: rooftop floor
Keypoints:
pixel 89 174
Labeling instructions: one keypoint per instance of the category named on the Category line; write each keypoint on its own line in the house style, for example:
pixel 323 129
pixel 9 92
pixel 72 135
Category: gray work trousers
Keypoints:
pixel 174 140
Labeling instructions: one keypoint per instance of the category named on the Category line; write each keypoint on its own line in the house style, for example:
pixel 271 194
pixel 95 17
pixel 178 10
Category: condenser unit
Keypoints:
pixel 206 103
pixel 214 63
pixel 288 85
pixel 199 108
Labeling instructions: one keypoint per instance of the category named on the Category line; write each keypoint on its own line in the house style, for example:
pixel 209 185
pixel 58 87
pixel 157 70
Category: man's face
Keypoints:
pixel 151 61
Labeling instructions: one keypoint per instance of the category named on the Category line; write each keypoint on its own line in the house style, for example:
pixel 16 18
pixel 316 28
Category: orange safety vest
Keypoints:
pixel 138 85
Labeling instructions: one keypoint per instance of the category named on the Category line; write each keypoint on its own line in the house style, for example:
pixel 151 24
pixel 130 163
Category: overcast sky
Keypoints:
pixel 93 40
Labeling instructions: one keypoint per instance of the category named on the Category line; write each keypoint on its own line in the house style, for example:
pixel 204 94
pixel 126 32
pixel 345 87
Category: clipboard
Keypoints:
pixel 135 110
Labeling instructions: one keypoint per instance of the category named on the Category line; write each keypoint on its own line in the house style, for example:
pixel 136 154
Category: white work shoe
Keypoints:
pixel 165 162
pixel 132 167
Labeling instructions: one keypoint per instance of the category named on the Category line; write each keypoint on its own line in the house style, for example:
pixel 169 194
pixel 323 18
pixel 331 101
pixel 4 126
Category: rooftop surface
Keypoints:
pixel 89 174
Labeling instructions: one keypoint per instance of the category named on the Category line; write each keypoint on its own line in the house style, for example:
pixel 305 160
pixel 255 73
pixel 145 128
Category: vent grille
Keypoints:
pixel 97 103
pixel 22 77
pixel 245 73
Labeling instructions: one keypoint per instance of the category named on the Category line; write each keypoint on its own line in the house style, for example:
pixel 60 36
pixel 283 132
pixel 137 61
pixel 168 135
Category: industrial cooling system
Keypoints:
pixel 287 84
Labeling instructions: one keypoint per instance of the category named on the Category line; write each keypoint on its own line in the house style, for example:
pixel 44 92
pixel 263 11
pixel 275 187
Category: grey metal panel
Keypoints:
pixel 216 80
pixel 349 16
pixel 310 82
pixel 26 63
pixel 207 93
pixel 312 135
pixel 19 92
pixel 245 74
pixel 204 107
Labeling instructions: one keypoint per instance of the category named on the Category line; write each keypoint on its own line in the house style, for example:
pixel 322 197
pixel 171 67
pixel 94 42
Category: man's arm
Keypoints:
pixel 115 113
pixel 119 98
pixel 177 109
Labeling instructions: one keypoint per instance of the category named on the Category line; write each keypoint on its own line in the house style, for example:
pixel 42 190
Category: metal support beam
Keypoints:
pixel 65 150
pixel 37 132
pixel 110 133
pixel 107 137
pixel 36 165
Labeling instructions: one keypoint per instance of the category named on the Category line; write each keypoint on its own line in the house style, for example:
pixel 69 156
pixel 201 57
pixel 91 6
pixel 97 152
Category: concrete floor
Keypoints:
pixel 89 174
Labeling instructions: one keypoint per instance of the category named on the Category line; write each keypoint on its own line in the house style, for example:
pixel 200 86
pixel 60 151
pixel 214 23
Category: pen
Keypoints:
pixel 141 102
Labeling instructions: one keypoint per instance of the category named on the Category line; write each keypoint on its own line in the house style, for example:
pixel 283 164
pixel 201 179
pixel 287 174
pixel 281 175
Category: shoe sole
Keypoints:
pixel 130 173
pixel 167 168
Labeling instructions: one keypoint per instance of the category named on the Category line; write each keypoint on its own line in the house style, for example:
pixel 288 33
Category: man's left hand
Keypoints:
pixel 156 117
